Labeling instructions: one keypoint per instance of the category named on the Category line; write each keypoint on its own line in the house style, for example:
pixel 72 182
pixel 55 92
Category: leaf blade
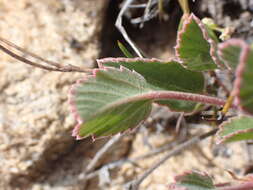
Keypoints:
pixel 239 56
pixel 230 52
pixel 163 76
pixel 194 46
pixel 192 181
pixel 236 129
pixel 98 106
pixel 124 50
pixel 115 99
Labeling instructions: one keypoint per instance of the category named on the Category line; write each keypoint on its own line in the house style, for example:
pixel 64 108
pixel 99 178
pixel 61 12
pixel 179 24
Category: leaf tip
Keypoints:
pixel 180 43
pixel 190 180
pixel 224 135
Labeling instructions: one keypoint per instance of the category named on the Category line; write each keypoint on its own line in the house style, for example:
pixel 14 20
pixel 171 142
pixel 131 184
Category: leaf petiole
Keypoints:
pixel 185 6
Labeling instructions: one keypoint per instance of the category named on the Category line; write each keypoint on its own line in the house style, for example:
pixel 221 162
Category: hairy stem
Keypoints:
pixel 169 95
pixel 186 96
pixel 244 186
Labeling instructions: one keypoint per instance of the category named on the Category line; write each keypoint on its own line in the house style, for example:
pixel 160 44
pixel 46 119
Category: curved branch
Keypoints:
pixel 54 66
pixel 169 95
pixel 243 186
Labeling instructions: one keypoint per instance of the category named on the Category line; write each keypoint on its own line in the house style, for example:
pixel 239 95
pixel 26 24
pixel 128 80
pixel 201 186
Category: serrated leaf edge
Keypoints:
pixel 239 70
pixel 224 45
pixel 136 59
pixel 222 139
pixel 213 46
pixel 72 103
pixel 178 178
pixel 149 60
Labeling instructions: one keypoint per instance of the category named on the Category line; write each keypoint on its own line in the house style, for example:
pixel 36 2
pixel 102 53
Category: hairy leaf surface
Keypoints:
pixel 102 103
pixel 115 99
pixel 236 129
pixel 194 46
pixel 230 52
pixel 163 76
pixel 192 181
pixel 239 55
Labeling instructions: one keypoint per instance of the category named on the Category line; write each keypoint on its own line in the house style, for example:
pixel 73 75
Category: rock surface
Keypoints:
pixel 35 122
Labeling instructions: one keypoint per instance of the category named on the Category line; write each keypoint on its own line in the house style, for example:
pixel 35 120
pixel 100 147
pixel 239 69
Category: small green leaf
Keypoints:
pixel 194 46
pixel 124 50
pixel 237 54
pixel 244 84
pixel 102 103
pixel 211 27
pixel 230 52
pixel 236 129
pixel 192 181
pixel 163 76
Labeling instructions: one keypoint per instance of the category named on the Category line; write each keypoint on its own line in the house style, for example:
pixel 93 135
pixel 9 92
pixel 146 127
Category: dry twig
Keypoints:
pixel 133 161
pixel 102 152
pixel 122 30
pixel 6 47
pixel 134 185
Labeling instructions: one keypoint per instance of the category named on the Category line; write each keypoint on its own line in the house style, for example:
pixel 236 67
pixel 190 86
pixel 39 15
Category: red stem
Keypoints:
pixel 244 186
pixel 185 96
pixel 171 95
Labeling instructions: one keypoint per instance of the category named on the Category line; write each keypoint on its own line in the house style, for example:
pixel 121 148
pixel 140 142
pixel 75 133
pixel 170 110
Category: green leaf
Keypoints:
pixel 179 105
pixel 237 54
pixel 230 52
pixel 102 103
pixel 124 50
pixel 113 100
pixel 194 46
pixel 236 129
pixel 243 86
pixel 163 76
pixel 192 181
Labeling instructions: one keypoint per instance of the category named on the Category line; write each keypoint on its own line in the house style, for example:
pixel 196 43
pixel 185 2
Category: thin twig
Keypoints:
pixel 134 185
pixel 97 157
pixel 122 30
pixel 146 12
pixel 102 152
pixel 160 9
pixel 179 121
pixel 5 46
pixel 220 83
pixel 138 6
pixel 121 162
pixel 243 186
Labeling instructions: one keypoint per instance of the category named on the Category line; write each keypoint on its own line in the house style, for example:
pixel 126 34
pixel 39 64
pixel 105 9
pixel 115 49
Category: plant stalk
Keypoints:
pixel 243 186
pixel 185 6
pixel 170 95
